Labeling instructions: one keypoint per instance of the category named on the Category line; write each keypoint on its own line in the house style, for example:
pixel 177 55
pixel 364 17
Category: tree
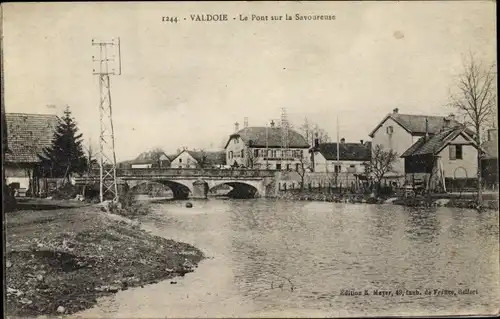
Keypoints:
pixel 381 163
pixel 310 130
pixel 65 156
pixel 475 98
pixel 251 159
pixel 304 166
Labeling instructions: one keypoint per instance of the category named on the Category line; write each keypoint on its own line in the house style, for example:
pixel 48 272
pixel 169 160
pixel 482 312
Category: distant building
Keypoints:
pixel 199 159
pixel 28 135
pixel 352 157
pixel 152 159
pixel 446 156
pixel 489 162
pixel 261 148
pixel 400 131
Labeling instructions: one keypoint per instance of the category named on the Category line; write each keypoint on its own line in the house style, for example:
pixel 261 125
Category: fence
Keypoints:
pixel 189 172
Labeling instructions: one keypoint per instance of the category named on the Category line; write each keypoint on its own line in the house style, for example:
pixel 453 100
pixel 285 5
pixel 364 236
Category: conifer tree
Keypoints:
pixel 65 156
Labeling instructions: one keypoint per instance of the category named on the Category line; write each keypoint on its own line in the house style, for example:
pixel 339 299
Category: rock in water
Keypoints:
pixel 189 204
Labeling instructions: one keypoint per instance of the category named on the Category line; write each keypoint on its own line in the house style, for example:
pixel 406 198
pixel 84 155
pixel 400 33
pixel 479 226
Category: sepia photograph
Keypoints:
pixel 282 159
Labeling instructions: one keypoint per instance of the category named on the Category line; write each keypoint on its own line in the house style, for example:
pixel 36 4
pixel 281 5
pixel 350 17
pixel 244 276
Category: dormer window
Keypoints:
pixel 390 130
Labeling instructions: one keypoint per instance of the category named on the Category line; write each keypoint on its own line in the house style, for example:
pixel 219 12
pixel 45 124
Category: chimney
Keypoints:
pixel 236 127
pixel 395 111
pixel 426 129
pixel 361 141
pixel 272 123
pixel 342 140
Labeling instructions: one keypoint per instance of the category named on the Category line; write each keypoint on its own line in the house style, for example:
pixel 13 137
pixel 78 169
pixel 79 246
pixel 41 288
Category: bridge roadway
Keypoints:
pixel 193 182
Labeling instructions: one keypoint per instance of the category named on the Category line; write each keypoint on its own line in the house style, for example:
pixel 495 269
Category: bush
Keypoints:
pixel 67 191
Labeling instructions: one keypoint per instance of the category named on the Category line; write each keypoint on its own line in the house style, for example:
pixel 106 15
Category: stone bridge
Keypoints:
pixel 194 183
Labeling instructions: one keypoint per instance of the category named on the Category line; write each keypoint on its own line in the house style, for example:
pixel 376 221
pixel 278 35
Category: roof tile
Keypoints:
pixel 28 135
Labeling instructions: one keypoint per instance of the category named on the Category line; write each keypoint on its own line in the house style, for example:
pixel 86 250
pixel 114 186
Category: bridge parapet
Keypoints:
pixel 189 172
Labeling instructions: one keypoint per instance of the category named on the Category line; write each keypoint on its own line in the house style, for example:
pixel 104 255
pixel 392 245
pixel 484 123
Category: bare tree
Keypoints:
pixel 303 167
pixel 475 98
pixel 381 162
pixel 309 130
pixel 251 159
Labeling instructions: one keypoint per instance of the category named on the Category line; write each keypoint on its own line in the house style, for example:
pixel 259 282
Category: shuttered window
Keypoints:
pixel 452 149
pixel 456 152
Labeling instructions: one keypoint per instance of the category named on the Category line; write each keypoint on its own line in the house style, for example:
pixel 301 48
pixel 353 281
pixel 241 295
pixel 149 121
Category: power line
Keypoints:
pixel 107 157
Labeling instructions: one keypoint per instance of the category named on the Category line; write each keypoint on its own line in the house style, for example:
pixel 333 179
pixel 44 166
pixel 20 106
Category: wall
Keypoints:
pixel 15 174
pixel 323 166
pixel 400 140
pixel 233 152
pixel 236 145
pixel 292 159
pixel 453 168
pixel 184 160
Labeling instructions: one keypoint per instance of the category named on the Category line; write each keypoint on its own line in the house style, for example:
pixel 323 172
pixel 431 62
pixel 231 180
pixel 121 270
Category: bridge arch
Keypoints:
pixel 179 189
pixel 240 189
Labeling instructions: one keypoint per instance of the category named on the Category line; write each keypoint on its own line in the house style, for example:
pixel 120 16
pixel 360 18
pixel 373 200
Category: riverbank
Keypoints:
pixel 490 200
pixel 61 256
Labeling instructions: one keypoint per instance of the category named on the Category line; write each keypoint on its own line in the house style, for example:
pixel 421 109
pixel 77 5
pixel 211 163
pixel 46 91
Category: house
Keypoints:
pixel 27 136
pixel 489 162
pixel 447 159
pixel 400 131
pixel 261 148
pixel 156 158
pixel 352 157
pixel 199 159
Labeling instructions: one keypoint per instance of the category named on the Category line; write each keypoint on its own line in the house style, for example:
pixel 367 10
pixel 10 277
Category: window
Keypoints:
pixel 180 166
pixel 278 167
pixel 337 168
pixel 273 153
pixel 288 167
pixel 297 167
pixel 230 154
pixel 255 153
pixel 352 166
pixel 180 160
pixel 236 141
pixel 390 129
pixel 455 152
pixel 242 153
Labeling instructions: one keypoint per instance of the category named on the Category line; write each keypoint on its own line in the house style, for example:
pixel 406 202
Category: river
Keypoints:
pixel 270 258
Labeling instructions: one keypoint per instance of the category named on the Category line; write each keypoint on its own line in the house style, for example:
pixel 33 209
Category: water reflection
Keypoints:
pixel 264 248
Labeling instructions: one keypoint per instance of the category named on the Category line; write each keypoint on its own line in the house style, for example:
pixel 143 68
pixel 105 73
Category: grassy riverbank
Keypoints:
pixel 62 256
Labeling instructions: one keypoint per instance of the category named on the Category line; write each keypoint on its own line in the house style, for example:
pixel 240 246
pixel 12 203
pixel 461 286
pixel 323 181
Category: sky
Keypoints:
pixel 185 84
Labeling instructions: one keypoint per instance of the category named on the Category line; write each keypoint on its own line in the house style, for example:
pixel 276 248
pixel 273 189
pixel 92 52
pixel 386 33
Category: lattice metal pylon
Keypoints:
pixel 108 185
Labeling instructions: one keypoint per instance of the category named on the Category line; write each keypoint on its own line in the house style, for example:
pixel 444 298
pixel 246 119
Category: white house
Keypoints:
pixel 261 148
pixel 352 157
pixel 197 159
pixel 445 156
pixel 400 131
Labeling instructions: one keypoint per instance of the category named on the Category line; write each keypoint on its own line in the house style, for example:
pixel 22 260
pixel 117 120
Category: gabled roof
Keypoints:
pixel 209 158
pixel 28 135
pixel 149 157
pixel 268 137
pixel 435 143
pixel 415 124
pixel 347 151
